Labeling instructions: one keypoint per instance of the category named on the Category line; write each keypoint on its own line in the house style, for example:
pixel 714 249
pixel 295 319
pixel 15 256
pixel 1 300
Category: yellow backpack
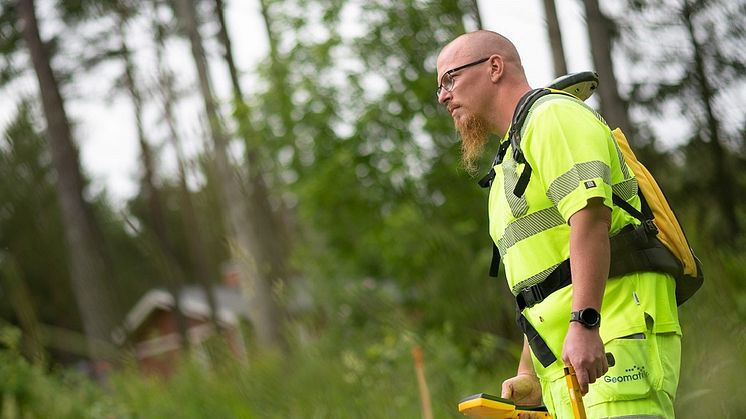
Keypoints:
pixel 689 275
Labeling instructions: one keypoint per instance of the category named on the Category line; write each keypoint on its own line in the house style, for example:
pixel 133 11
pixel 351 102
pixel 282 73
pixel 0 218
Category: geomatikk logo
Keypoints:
pixel 633 374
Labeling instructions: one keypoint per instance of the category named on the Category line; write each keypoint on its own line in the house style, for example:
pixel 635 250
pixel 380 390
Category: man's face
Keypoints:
pixel 460 78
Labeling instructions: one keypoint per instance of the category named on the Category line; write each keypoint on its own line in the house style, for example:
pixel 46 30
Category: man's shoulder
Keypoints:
pixel 558 103
pixel 557 109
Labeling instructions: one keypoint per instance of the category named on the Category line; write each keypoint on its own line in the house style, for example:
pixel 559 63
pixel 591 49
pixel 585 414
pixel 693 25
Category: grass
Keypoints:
pixel 368 371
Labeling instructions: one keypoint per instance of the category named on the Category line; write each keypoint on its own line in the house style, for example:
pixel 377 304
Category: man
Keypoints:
pixel 564 219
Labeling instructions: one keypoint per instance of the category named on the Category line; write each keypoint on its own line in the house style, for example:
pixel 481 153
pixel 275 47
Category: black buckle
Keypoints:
pixel 650 227
pixel 532 295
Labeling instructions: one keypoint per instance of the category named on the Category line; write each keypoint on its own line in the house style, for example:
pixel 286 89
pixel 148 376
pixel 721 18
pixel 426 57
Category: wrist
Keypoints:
pixel 588 317
pixel 579 327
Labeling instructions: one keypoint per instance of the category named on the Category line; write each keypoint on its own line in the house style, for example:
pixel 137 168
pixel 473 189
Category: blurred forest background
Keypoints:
pixel 328 185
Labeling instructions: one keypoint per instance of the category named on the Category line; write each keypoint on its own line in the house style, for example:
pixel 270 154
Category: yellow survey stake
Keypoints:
pixel 487 406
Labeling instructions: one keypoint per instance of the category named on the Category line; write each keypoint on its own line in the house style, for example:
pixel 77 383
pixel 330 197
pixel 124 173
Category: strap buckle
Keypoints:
pixel 531 296
pixel 650 227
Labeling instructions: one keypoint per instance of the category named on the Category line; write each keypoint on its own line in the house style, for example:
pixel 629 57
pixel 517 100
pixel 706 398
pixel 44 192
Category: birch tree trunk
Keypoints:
pixel 169 268
pixel 89 268
pixel 271 232
pixel 244 236
pixel 192 227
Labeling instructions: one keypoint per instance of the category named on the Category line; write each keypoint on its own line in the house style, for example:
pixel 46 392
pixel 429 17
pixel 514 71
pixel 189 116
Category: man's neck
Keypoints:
pixel 505 107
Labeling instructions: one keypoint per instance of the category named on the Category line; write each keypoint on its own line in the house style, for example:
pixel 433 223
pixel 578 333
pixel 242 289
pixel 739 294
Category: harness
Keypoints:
pixel 634 249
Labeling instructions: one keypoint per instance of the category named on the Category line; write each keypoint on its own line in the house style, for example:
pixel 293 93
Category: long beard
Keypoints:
pixel 474 133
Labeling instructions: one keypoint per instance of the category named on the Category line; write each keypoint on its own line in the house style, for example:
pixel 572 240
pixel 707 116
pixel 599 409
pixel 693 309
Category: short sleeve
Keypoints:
pixel 568 148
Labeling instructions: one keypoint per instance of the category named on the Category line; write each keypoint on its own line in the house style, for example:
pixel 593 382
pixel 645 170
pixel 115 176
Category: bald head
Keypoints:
pixel 474 45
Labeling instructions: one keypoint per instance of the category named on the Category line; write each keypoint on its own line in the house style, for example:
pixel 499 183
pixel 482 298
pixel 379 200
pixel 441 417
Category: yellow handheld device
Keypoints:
pixel 487 406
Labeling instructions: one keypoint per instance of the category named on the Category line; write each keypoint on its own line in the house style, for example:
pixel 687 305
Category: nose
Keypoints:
pixel 444 96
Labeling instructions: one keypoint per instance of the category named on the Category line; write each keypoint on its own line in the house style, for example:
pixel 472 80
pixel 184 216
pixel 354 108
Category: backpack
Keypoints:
pixel 658 244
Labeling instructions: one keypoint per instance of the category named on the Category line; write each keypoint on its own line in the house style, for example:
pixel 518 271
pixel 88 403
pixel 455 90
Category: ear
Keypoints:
pixel 497 67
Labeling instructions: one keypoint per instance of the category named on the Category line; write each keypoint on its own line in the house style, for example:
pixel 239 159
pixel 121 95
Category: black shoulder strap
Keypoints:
pixel 519 118
pixel 621 203
pixel 486 181
pixel 514 139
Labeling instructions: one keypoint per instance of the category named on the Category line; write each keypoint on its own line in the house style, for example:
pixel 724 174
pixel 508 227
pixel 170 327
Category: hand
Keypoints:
pixel 523 389
pixel 584 350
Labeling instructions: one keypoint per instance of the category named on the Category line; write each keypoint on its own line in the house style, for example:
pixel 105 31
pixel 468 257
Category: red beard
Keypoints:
pixel 473 131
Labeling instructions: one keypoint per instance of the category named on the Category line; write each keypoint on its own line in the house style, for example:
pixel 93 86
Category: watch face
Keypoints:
pixel 589 316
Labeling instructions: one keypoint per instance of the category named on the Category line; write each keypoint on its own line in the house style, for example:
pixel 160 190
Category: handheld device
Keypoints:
pixel 581 85
pixel 487 406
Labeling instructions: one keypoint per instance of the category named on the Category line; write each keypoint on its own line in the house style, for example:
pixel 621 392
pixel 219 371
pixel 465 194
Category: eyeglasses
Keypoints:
pixel 447 81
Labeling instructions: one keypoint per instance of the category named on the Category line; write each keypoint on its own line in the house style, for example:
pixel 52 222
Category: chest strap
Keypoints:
pixel 559 278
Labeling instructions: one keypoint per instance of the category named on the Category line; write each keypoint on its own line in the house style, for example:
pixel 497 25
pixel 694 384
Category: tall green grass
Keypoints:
pixel 367 371
pixel 713 370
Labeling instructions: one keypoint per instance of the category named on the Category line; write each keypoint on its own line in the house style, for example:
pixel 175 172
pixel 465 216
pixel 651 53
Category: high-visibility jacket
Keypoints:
pixel 574 158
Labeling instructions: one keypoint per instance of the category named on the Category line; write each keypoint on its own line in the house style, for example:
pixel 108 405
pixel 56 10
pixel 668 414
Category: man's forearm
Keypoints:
pixel 526 365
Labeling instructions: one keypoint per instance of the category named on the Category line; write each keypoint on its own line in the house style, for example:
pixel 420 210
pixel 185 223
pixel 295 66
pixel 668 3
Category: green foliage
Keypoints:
pixel 30 220
pixel 362 367
pixel 369 376
pixel 29 392
pixel 714 343
pixel 372 163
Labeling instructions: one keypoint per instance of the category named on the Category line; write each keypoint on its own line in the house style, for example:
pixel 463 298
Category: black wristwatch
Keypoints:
pixel 588 317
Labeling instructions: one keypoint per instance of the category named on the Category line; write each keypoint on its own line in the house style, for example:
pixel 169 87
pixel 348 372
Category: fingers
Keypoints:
pixel 583 379
pixel 599 373
pixel 507 390
pixel 589 375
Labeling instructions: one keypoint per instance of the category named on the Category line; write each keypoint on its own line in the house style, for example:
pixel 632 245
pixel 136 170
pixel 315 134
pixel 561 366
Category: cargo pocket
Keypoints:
pixel 634 376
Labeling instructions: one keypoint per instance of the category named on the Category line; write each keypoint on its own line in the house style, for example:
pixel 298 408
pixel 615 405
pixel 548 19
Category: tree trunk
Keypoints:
pixel 271 231
pixel 722 177
pixel 227 48
pixel 600 32
pixel 245 239
pixel 164 248
pixel 88 265
pixel 472 10
pixel 555 39
pixel 192 227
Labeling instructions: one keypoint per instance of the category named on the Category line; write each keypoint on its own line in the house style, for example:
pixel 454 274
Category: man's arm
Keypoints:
pixel 524 388
pixel 589 264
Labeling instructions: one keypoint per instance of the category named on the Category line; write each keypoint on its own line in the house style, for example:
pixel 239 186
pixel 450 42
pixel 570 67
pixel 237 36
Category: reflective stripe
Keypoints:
pixel 622 163
pixel 626 189
pixel 530 225
pixel 570 180
pixel 533 280
pixel 518 205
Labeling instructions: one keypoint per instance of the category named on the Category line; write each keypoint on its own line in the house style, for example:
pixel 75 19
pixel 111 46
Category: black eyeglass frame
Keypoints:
pixel 453 70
